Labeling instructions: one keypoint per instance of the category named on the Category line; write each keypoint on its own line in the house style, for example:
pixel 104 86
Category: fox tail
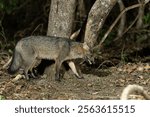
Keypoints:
pixel 15 63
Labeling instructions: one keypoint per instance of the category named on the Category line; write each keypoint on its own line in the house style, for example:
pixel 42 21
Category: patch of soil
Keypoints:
pixel 97 84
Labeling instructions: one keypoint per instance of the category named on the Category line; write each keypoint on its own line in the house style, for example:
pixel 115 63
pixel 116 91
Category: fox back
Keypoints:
pixel 44 47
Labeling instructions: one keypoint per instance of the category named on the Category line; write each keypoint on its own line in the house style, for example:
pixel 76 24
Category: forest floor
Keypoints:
pixel 123 61
pixel 98 83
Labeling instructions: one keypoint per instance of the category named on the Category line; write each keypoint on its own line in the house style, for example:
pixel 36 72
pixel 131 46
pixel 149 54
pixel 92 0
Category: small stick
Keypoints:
pixel 7 64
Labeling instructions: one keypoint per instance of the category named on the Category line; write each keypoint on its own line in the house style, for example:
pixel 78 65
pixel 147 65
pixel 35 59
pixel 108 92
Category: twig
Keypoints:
pixel 107 61
pixel 6 65
pixel 128 28
pixel 139 23
pixel 21 6
pixel 117 19
pixel 2 33
pixel 18 77
pixel 123 19
pixel 40 25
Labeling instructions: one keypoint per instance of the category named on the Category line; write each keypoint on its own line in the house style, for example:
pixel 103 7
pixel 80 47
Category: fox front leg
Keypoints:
pixel 60 59
pixel 26 74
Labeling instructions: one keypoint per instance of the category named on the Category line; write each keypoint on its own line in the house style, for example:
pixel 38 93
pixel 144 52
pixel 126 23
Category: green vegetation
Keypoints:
pixel 8 5
pixel 146 18
pixel 2 97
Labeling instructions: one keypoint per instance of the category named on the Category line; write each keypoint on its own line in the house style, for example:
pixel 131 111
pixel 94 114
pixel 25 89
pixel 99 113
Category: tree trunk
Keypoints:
pixel 96 19
pixel 61 17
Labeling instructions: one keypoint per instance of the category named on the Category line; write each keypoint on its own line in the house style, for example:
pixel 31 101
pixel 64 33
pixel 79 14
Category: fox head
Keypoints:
pixel 81 50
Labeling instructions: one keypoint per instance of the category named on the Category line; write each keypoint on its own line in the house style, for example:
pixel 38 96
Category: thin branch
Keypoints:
pixel 115 22
pixel 139 23
pixel 7 64
pixel 21 6
pixel 128 28
pixel 123 19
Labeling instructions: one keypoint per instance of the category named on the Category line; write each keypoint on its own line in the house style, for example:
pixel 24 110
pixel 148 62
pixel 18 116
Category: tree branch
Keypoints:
pixel 115 22
pixel 96 19
pixel 123 19
pixel 139 23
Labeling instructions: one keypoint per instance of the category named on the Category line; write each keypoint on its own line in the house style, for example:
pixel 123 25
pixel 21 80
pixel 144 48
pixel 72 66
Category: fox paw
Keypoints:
pixel 79 77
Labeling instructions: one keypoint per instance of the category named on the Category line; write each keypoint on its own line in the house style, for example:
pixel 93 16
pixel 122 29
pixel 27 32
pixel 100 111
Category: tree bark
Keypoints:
pixel 96 19
pixel 139 23
pixel 61 18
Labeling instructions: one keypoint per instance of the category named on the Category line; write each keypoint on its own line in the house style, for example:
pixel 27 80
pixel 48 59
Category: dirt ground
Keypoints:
pixel 122 61
pixel 98 83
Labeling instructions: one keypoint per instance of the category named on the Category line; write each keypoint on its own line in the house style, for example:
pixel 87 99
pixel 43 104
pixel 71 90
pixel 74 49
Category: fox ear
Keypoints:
pixel 85 46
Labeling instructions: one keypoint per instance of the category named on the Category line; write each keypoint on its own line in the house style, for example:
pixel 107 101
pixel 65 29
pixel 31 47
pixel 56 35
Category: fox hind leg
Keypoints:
pixel 31 68
pixel 28 66
pixel 29 60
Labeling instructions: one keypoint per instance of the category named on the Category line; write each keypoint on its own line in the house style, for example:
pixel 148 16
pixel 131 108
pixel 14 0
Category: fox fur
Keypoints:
pixel 30 49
